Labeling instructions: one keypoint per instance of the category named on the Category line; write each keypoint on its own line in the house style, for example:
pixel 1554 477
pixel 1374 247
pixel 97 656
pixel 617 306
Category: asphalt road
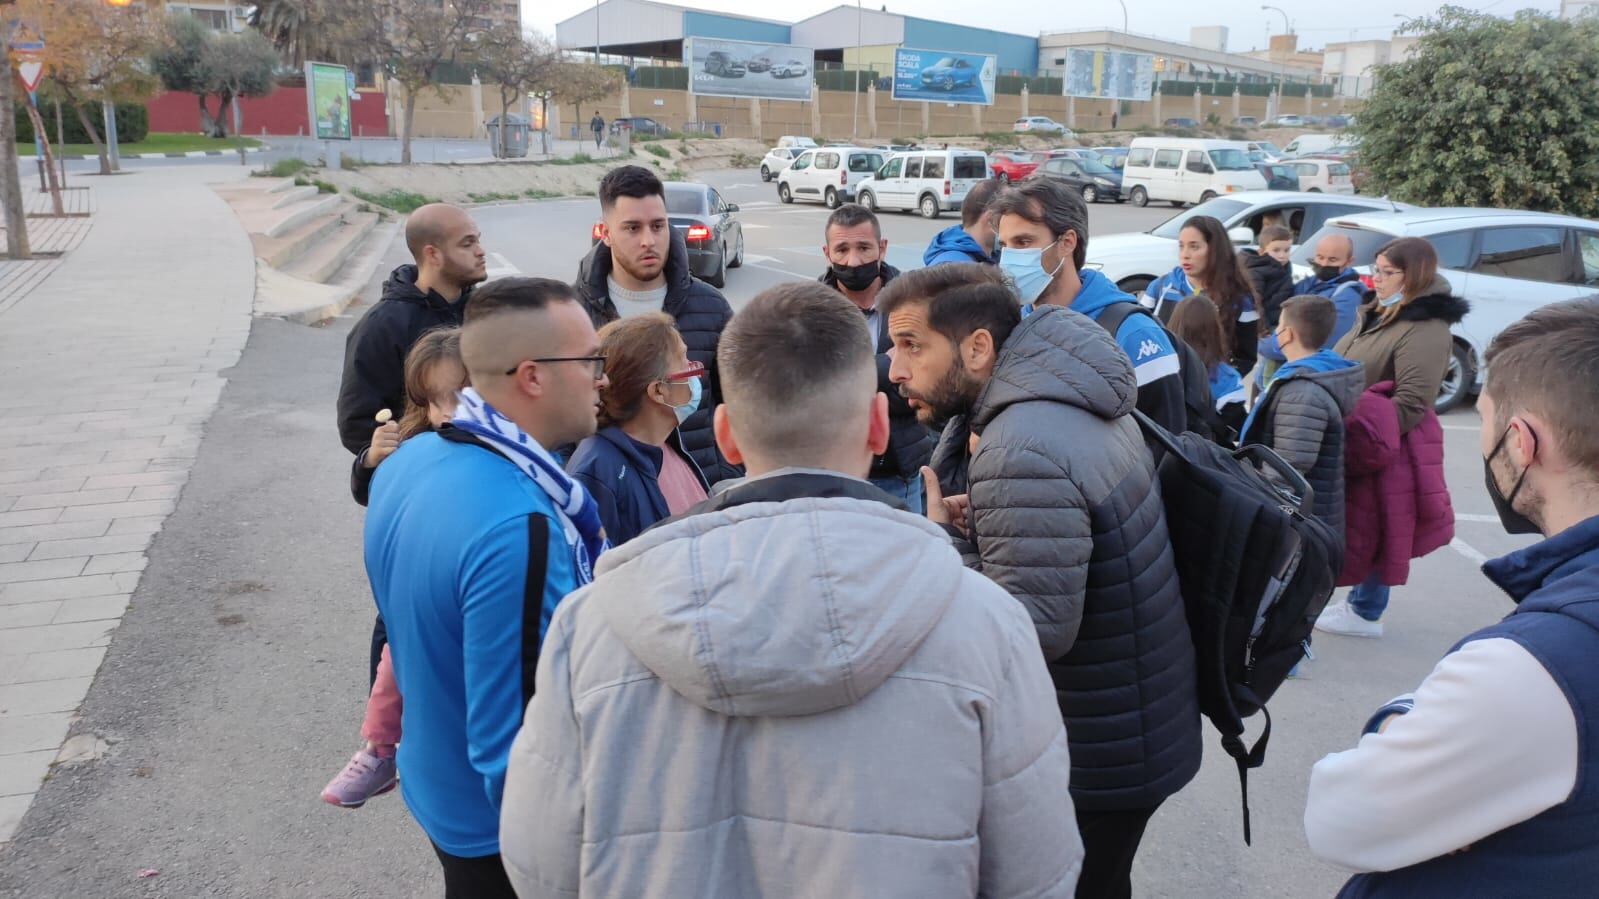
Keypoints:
pixel 234 687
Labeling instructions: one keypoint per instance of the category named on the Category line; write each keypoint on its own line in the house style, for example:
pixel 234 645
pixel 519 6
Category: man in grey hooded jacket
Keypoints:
pixel 1061 507
pixel 796 689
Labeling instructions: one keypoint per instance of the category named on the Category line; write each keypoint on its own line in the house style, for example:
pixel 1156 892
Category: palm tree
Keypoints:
pixel 300 29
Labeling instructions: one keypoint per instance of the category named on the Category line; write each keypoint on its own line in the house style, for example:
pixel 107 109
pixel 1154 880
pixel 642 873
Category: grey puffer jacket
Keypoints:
pixel 799 692
pixel 1066 514
pixel 1303 421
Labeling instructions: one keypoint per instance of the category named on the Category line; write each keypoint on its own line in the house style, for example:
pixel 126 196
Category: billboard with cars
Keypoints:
pixel 719 68
pixel 1110 75
pixel 944 77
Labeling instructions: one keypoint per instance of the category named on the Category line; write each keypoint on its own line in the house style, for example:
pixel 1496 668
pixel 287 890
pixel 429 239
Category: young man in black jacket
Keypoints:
pixel 641 265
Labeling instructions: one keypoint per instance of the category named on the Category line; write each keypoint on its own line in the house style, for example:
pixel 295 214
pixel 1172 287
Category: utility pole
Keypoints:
pixel 10 180
pixel 855 115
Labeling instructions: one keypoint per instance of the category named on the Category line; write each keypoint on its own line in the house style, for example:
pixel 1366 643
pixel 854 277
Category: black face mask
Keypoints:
pixel 1514 522
pixel 858 277
pixel 1327 272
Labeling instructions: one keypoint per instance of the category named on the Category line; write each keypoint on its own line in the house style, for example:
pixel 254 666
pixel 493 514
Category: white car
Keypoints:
pixel 1289 121
pixel 777 159
pixel 1317 176
pixel 927 181
pixel 1041 124
pixel 1133 260
pixel 1506 263
pixel 791 69
pixel 1264 151
pixel 828 174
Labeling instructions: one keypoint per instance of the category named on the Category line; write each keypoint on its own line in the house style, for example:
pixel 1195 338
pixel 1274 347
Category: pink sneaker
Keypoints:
pixel 368 774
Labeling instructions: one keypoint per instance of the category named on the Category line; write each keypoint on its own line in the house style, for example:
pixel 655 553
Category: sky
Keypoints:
pixel 1317 24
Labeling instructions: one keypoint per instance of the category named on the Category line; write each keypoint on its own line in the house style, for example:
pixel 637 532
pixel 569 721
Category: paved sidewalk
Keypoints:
pixel 113 365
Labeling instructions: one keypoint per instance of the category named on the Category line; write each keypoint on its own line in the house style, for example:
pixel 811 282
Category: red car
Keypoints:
pixel 1010 167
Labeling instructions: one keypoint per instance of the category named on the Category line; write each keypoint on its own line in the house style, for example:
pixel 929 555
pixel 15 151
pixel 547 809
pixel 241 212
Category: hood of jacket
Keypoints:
pixel 954 239
pixel 1439 303
pixel 401 288
pixel 1061 356
pixel 1097 293
pixel 1344 379
pixel 777 603
pixel 596 267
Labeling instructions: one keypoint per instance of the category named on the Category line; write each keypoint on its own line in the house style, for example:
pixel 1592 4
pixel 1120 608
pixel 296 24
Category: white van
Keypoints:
pixel 1187 170
pixel 829 174
pixel 930 181
pixel 789 140
pixel 1318 176
pixel 1317 144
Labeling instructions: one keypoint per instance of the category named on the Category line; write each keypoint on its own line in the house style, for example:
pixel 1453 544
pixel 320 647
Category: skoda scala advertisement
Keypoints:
pixel 944 77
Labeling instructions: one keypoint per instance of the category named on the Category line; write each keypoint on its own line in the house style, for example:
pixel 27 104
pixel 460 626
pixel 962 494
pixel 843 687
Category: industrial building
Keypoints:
pixel 1174 60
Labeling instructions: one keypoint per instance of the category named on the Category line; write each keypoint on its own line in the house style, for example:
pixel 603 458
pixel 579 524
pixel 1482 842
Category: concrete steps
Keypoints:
pixel 322 260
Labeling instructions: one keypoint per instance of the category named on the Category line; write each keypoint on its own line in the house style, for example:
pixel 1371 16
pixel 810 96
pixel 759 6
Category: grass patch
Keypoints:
pixel 286 168
pixel 743 161
pixel 492 196
pixel 397 200
pixel 153 143
pixel 574 159
pixel 674 175
pixel 322 187
pixel 658 150
pixel 587 192
pixel 537 193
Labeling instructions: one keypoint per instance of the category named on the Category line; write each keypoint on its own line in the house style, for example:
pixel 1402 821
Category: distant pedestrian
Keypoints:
pixel 857 267
pixel 1059 504
pixel 473 536
pixel 597 125
pixel 1485 781
pixel 974 239
pixel 1331 277
pixel 796 689
pixel 635 466
pixel 1207 265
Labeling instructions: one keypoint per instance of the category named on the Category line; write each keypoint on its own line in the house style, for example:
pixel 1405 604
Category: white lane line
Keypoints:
pixel 1461 427
pixel 758 259
pixel 1467 550
pixel 753 225
pixel 781 271
pixel 500 267
pixel 1484 519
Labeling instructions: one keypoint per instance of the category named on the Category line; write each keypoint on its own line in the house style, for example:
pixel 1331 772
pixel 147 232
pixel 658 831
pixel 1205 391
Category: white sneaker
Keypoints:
pixel 1339 618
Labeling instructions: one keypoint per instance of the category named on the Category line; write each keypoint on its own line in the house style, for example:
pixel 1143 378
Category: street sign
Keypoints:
pixel 30 63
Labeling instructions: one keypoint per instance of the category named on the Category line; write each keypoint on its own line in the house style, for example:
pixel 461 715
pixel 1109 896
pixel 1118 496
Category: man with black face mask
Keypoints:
pixel 854 248
pixel 1482 781
pixel 1333 278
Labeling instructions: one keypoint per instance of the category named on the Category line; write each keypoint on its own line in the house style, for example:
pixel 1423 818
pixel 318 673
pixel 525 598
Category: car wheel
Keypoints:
pixel 1458 380
pixel 1004 177
pixel 929 206
pixel 1090 195
pixel 783 193
pixel 1134 285
pixel 766 173
pixel 866 199
pixel 738 254
pixel 1177 204
pixel 1314 190
pixel 718 278
pixel 830 198
pixel 1140 197
pixel 1207 196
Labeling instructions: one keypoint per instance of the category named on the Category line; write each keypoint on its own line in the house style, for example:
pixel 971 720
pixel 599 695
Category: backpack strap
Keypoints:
pixel 1246 758
pixel 1112 316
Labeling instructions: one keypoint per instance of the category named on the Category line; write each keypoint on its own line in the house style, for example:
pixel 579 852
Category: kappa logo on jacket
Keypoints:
pixel 1147 349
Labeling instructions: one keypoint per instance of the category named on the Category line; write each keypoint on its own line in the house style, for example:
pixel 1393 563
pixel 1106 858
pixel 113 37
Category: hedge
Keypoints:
pixel 133 123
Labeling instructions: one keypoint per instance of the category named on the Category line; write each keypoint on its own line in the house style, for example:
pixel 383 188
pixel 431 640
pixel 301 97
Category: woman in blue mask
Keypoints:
pixel 635 466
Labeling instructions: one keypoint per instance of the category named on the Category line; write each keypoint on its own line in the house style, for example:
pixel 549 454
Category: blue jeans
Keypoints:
pixel 1369 598
pixel 906 490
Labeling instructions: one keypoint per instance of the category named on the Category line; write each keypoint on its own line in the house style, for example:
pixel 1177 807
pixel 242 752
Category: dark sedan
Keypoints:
pixel 639 125
pixel 715 238
pixel 1278 176
pixel 1094 180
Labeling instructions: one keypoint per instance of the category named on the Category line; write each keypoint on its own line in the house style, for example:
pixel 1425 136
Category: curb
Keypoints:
pixel 192 154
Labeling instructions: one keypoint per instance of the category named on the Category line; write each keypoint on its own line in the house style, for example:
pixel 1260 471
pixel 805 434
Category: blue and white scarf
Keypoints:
pixel 580 516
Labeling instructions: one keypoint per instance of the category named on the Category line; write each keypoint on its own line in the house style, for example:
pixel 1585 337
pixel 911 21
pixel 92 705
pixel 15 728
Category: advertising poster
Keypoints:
pixel 327 94
pixel 719 68
pixel 944 77
pixel 1109 75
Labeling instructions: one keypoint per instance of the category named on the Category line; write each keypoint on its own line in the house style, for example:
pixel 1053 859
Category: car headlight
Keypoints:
pixel 1104 182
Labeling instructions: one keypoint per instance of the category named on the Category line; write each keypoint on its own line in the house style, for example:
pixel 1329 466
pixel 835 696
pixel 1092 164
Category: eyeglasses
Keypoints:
pixel 1387 272
pixel 597 363
pixel 694 370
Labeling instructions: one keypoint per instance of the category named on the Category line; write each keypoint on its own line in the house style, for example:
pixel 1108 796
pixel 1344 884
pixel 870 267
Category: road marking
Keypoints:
pixel 752 258
pixel 1467 550
pixel 769 268
pixel 753 225
pixel 1461 427
pixel 1484 519
pixel 740 186
pixel 500 267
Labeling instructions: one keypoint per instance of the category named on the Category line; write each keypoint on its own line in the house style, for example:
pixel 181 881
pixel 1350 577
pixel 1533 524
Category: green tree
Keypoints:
pixel 179 61
pixel 517 63
pixel 238 65
pixel 1489 112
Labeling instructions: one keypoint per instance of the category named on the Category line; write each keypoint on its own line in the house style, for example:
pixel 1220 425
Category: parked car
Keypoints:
pixel 1320 145
pixel 828 174
pixel 776 160
pixel 1008 167
pixel 1180 123
pixel 1507 262
pixel 1038 123
pixel 1264 151
pixel 1094 180
pixel 1278 175
pixel 929 181
pixel 1246 121
pixel 792 69
pixel 1187 170
pixel 1074 152
pixel 1323 175
pixel 895 148
pixel 639 125
pixel 759 64
pixel 720 62
pixel 795 141
pixel 714 236
pixel 1289 121
pixel 949 73
pixel 1133 260
pixel 1115 157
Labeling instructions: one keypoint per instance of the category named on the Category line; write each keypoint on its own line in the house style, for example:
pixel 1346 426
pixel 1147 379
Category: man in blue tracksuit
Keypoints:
pixel 1333 279
pixel 473 535
pixel 1043 229
pixel 973 239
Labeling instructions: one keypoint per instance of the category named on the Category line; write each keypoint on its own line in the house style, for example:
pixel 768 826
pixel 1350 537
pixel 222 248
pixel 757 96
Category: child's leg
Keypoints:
pixel 371 771
pixel 381 726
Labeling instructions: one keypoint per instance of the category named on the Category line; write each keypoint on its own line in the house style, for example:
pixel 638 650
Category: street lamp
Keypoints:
pixel 1288 28
pixel 855 116
pixel 1124 16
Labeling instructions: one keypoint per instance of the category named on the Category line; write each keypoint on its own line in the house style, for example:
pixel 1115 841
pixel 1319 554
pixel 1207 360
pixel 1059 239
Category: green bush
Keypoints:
pixel 658 150
pixel 397 200
pixel 574 159
pixel 285 168
pixel 743 161
pixel 534 193
pixel 133 123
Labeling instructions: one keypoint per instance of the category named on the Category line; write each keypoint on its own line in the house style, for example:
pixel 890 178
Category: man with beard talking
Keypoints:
pixel 1062 508
pixel 854 247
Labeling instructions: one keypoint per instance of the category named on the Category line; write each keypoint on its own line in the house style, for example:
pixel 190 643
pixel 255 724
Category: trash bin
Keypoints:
pixel 516 136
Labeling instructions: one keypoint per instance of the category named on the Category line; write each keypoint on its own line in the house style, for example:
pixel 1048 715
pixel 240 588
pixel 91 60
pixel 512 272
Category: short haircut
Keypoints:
pixel 960 298
pixel 1548 364
pixel 1274 234
pixel 518 294
pixel 848 216
pixel 636 352
pixel 487 344
pixel 1312 318
pixel 633 181
pixel 794 364
pixel 977 201
pixel 1047 202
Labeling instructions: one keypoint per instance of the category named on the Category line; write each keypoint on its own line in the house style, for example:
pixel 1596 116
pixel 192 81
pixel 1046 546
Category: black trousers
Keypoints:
pixel 380 639
pixel 1110 841
pixel 474 878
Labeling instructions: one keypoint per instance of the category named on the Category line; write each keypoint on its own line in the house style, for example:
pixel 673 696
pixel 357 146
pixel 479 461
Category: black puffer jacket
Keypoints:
pixel 910 443
pixel 374 353
pixel 1302 418
pixel 1273 283
pixel 701 313
pixel 1066 514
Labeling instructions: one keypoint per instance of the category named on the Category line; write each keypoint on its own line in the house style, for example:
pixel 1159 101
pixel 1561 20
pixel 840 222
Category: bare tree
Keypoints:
pixel 97 53
pixel 582 82
pixel 517 63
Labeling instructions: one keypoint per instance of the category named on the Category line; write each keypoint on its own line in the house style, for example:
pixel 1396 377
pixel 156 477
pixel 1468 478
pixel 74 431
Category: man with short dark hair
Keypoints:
pixel 973 240
pixel 1483 781
pixel 1053 496
pixel 796 687
pixel 597 125
pixel 855 249
pixel 1043 232
pixel 473 536
pixel 641 265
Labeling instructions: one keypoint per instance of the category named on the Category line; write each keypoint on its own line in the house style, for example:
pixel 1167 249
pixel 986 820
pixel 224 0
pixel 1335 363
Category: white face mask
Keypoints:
pixel 1392 301
pixel 695 394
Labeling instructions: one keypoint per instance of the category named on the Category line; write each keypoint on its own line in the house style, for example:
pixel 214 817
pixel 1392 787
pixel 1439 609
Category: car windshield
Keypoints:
pixel 1218 208
pixel 1095 168
pixel 1230 160
pixel 945 63
pixel 1271 148
pixel 1367 242
pixel 1037 157
pixel 689 201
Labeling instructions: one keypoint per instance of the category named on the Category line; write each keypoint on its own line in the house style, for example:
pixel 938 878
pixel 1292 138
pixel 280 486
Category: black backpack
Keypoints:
pixel 1256 568
pixel 1202 416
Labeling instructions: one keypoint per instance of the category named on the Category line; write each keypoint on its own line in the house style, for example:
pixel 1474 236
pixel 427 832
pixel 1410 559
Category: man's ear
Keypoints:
pixel 1523 445
pixel 882 248
pixel 978 350
pixel 1068 247
pixel 877 432
pixel 722 428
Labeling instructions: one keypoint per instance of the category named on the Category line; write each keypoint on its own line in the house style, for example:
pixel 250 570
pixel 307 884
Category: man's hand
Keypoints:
pixel 941 509
pixel 385 440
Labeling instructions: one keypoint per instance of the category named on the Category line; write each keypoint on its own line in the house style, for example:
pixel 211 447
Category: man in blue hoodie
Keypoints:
pixel 973 239
pixel 1043 232
pixel 1333 279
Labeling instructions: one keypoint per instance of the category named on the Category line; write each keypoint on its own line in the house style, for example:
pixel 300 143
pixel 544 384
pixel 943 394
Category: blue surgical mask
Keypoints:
pixel 1026 271
pixel 1392 301
pixel 695 392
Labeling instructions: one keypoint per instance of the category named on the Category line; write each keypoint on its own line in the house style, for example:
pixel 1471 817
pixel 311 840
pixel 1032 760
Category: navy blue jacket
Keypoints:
pixel 623 476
